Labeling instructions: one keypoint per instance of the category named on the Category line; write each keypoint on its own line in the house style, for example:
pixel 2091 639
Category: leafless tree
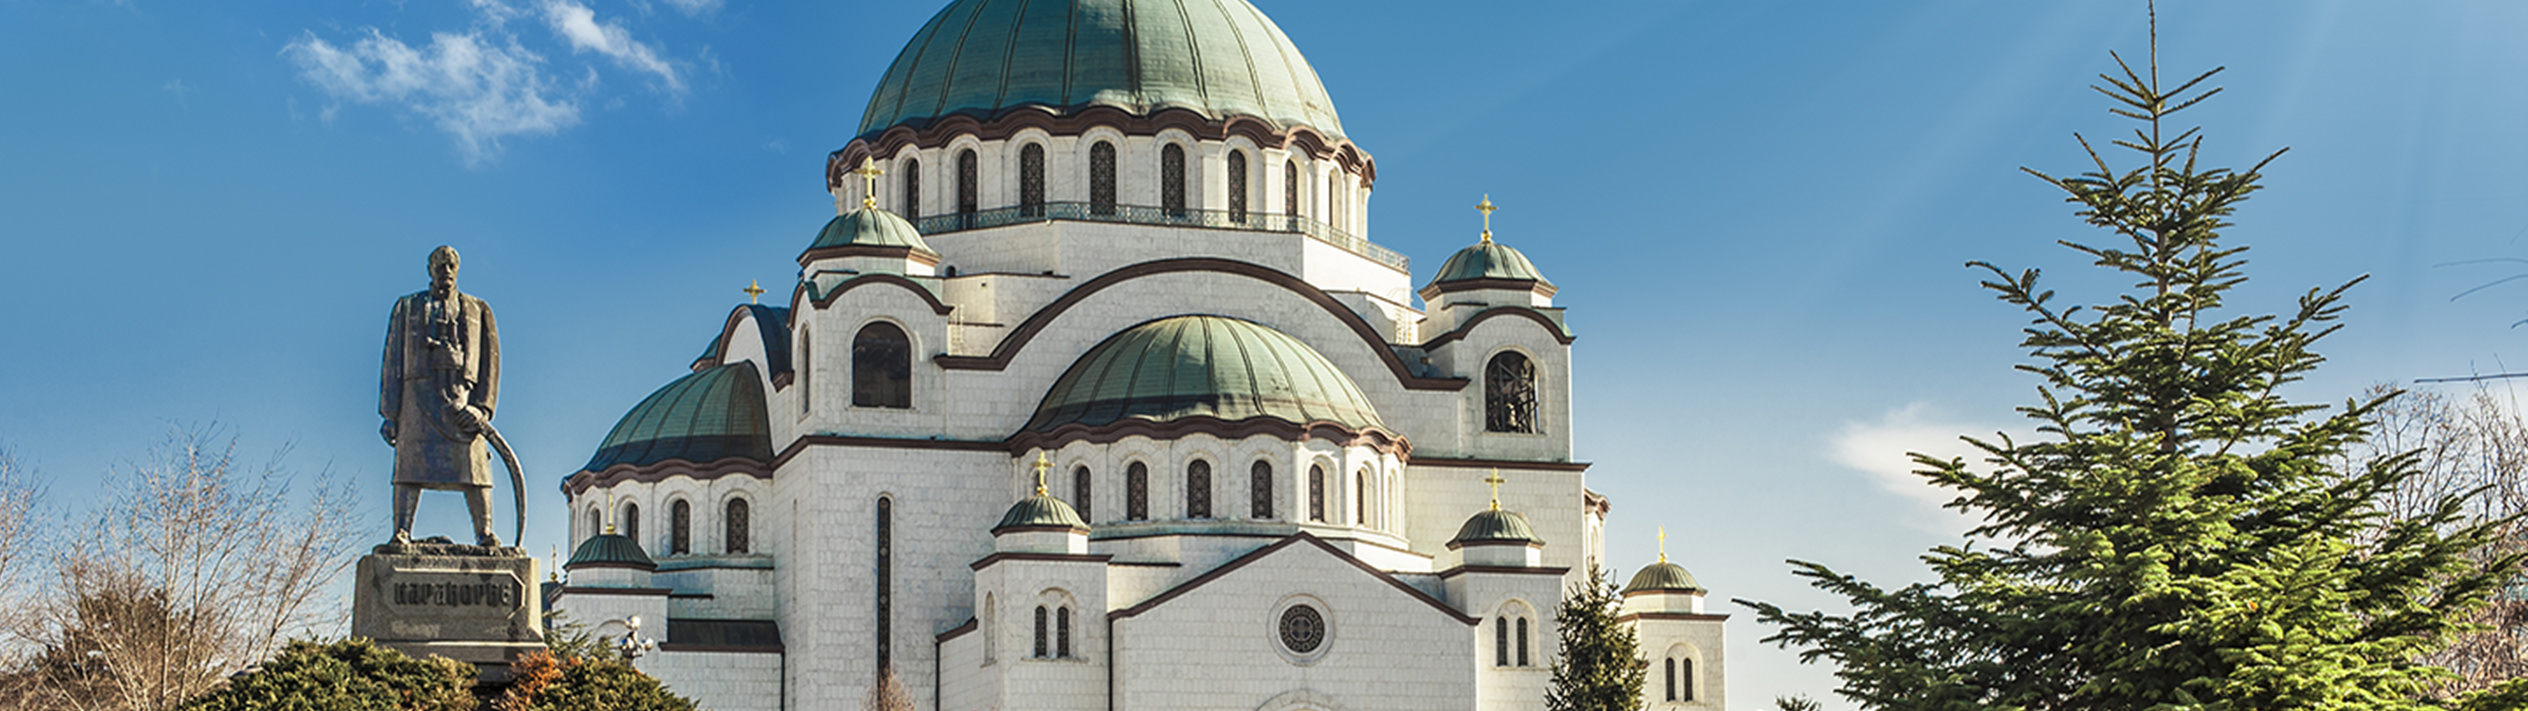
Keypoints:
pixel 2472 445
pixel 193 567
pixel 888 694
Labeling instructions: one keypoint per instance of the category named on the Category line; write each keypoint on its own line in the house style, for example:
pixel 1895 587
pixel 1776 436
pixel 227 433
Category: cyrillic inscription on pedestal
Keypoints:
pixel 468 603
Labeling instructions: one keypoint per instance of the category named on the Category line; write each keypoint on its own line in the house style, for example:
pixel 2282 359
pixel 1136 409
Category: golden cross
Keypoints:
pixel 1041 465
pixel 754 291
pixel 1496 481
pixel 1663 544
pixel 609 514
pixel 869 173
pixel 1486 207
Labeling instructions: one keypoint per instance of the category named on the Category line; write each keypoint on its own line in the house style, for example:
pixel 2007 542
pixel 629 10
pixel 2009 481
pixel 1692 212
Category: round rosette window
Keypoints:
pixel 1303 629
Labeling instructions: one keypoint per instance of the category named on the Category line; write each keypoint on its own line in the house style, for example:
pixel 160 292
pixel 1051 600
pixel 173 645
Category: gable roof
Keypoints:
pixel 1293 540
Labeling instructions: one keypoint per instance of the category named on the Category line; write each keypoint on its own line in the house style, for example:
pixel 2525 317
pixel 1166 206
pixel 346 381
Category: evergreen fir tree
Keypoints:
pixel 1600 667
pixel 2177 537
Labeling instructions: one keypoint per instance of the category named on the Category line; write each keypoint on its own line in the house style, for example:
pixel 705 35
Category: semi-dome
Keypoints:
pixel 1663 576
pixel 1494 526
pixel 713 414
pixel 869 226
pixel 610 550
pixel 984 58
pixel 1040 511
pixel 1488 260
pixel 1203 366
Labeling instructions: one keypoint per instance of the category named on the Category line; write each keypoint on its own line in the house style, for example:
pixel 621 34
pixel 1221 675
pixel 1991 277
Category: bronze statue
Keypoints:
pixel 437 391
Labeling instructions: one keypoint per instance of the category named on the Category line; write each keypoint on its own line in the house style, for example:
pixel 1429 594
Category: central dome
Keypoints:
pixel 1218 58
pixel 1203 366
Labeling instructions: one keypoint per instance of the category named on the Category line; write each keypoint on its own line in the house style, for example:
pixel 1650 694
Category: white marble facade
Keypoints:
pixel 1177 609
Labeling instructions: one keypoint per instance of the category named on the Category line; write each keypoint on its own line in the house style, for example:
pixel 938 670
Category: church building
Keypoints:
pixel 1095 395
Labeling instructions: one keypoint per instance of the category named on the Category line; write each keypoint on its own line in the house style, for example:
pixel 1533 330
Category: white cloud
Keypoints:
pixel 578 24
pixel 478 91
pixel 1882 449
pixel 693 8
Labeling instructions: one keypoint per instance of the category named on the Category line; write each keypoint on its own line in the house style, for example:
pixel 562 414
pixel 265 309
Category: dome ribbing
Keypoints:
pixel 984 58
pixel 1663 576
pixel 1494 526
pixel 713 414
pixel 1198 366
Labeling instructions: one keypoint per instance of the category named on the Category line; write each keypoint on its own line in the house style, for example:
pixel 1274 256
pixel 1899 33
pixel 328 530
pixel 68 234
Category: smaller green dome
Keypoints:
pixel 870 227
pixel 610 550
pixel 1495 526
pixel 1182 367
pixel 1040 511
pixel 712 414
pixel 1663 576
pixel 1488 260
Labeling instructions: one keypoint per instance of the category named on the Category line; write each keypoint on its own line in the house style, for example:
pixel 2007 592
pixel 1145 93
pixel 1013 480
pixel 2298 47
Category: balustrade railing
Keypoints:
pixel 1146 215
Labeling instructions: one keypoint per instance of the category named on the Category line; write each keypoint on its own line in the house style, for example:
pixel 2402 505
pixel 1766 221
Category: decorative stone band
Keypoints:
pixel 840 163
pixel 926 257
pixel 1036 323
pixel 1539 287
pixel 1249 221
pixel 1686 616
pixel 1503 570
pixel 1560 335
pixel 732 466
pixel 1376 438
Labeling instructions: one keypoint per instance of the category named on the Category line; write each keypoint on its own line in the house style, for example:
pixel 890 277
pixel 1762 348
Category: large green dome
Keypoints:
pixel 1197 366
pixel 714 414
pixel 983 58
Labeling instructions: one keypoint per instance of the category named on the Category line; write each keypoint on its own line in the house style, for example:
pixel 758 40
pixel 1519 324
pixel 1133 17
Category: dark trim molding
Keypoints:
pixel 831 440
pixel 659 471
pixel 1686 616
pixel 924 256
pixel 987 561
pixel 720 649
pixel 1496 312
pixel 957 631
pixel 617 566
pixel 1502 569
pixel 1341 435
pixel 1082 530
pixel 1472 463
pixel 801 292
pixel 651 592
pixel 1295 538
pixel 1663 591
pixel 1538 286
pixel 1026 331
pixel 940 132
pixel 1454 545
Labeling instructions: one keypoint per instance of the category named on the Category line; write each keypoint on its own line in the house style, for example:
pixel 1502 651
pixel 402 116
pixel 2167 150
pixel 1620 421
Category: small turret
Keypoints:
pixel 1041 523
pixel 1494 537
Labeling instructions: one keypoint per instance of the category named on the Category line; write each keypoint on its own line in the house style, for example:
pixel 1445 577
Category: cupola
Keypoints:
pixel 869 240
pixel 1663 587
pixel 1482 275
pixel 1495 537
pixel 610 560
pixel 1041 523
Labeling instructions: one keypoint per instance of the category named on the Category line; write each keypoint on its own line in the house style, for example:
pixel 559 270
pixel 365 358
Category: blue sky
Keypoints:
pixel 1757 213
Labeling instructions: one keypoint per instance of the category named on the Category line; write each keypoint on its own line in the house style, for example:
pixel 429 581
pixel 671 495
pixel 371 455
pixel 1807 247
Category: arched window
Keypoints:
pixel 1101 179
pixel 1670 665
pixel 991 619
pixel 738 519
pixel 1031 180
pixel 1041 638
pixel 1062 632
pixel 1080 493
pixel 1501 641
pixel 1509 394
pixel 912 190
pixel 1136 492
pixel 632 523
pixel 679 528
pixel 1522 642
pixel 1172 180
pixel 969 188
pixel 1685 679
pixel 806 365
pixel 1316 493
pixel 596 522
pixel 1360 498
pixel 1237 187
pixel 1198 489
pixel 1290 189
pixel 881 367
pixel 885 583
pixel 1260 501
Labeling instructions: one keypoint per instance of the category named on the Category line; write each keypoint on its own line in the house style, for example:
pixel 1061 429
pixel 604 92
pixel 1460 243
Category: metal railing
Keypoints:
pixel 1146 215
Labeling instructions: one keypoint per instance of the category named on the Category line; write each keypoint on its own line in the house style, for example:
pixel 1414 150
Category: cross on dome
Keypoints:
pixel 1663 544
pixel 1486 207
pixel 1496 481
pixel 754 291
pixel 1042 464
pixel 869 173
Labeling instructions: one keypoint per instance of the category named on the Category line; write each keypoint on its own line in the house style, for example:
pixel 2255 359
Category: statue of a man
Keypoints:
pixel 441 380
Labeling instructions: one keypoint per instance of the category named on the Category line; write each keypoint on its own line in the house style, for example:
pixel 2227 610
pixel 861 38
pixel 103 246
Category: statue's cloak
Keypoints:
pixel 427 378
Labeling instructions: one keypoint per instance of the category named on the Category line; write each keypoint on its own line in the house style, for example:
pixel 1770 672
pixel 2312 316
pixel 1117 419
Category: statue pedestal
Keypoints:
pixel 473 604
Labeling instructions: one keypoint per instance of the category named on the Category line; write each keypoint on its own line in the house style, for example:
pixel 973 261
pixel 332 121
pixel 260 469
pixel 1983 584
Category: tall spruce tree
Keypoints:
pixel 1600 666
pixel 2176 537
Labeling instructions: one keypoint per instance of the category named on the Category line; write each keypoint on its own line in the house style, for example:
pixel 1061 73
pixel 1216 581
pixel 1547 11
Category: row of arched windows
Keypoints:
pixel 1173 183
pixel 1680 673
pixel 736 522
pixel 1200 489
pixel 1054 643
pixel 1503 642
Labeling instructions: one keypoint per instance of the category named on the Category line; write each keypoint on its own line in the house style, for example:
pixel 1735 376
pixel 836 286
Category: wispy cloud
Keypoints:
pixel 578 24
pixel 693 8
pixel 476 89
pixel 1882 449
